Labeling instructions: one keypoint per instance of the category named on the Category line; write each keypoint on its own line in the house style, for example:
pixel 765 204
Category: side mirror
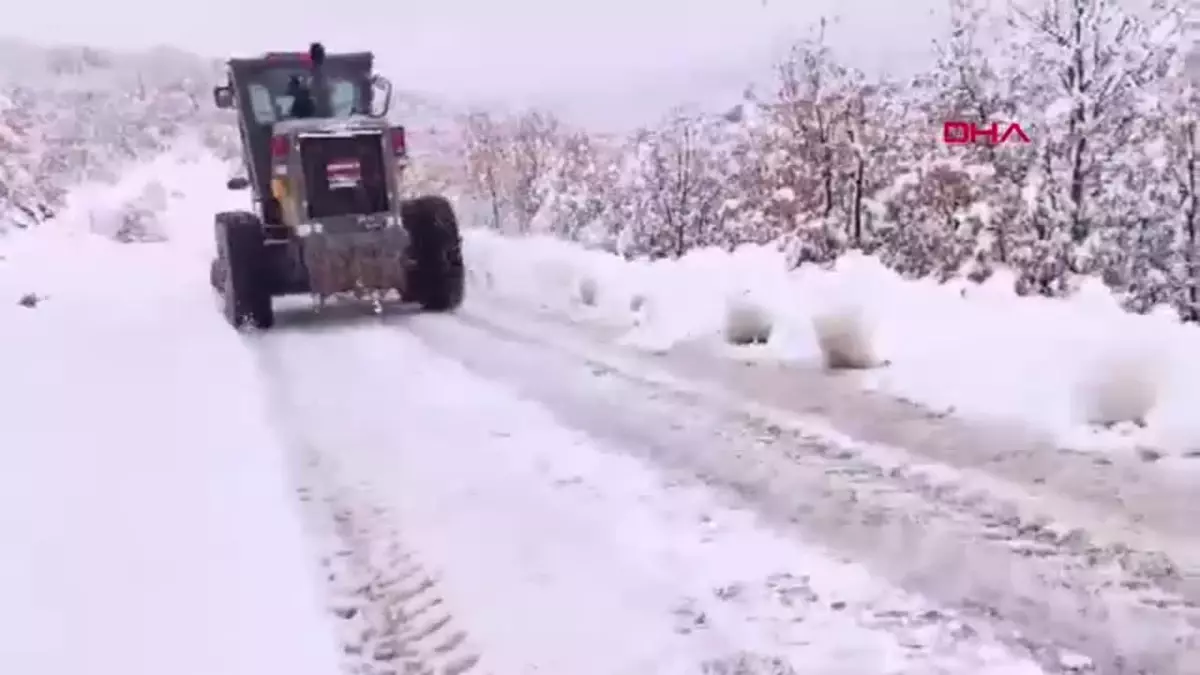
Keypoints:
pixel 238 183
pixel 381 96
pixel 223 97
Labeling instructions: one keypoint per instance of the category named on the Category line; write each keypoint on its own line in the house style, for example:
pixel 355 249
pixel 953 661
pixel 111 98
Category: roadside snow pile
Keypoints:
pixel 553 274
pixel 1063 365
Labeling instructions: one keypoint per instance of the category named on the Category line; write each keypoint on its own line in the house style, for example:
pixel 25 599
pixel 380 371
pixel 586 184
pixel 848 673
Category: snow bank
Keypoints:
pixel 146 517
pixel 1063 365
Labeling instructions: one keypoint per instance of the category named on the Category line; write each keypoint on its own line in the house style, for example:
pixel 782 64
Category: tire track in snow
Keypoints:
pixel 956 540
pixel 565 531
pixel 392 618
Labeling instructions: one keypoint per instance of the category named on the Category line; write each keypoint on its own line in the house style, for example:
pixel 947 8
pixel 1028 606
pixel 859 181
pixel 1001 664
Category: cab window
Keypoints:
pixel 270 102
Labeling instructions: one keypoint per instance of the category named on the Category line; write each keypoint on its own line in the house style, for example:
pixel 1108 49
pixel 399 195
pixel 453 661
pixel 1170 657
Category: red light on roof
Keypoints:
pixel 303 57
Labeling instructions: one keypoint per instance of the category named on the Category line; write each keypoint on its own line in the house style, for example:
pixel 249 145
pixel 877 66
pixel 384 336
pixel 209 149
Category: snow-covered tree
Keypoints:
pixel 488 164
pixel 72 114
pixel 825 159
pixel 576 192
pixel 1089 65
pixel 534 143
pixel 681 171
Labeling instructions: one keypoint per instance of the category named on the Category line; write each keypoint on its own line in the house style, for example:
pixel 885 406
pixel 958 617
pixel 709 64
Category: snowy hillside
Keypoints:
pixel 73 115
pixel 825 159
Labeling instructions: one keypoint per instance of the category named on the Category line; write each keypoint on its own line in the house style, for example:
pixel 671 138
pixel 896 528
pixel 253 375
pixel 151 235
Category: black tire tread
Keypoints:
pixel 246 292
pixel 439 280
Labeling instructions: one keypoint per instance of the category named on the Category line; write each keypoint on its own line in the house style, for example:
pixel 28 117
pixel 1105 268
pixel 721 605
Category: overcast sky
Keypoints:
pixel 501 48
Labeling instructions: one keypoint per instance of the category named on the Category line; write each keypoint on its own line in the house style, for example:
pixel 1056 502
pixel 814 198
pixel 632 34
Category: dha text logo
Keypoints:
pixel 969 133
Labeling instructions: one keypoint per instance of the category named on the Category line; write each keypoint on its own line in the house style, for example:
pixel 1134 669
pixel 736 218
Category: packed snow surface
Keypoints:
pixel 149 522
pixel 567 556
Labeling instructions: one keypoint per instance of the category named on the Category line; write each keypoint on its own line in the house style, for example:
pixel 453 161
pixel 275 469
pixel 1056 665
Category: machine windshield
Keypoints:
pixel 271 101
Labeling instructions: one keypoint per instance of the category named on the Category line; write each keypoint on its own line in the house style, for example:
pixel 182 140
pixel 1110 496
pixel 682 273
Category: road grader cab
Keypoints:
pixel 324 173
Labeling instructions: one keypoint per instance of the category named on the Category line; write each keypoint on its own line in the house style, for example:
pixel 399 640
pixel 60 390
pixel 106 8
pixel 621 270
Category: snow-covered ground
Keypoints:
pixel 413 490
pixel 1068 367
pixel 150 469
pixel 562 555
pixel 146 520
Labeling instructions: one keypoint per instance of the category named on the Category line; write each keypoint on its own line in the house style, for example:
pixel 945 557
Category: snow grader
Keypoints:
pixel 324 168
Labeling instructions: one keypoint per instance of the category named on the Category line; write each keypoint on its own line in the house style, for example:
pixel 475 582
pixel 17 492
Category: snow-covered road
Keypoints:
pixel 497 492
pixel 563 553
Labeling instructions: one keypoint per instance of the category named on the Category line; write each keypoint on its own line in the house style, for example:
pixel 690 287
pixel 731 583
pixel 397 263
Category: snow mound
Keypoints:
pixel 1121 379
pixel 845 339
pixel 747 322
pixel 1123 389
pixel 839 312
pixel 1061 365
pixel 589 288
pixel 140 218
pixel 551 273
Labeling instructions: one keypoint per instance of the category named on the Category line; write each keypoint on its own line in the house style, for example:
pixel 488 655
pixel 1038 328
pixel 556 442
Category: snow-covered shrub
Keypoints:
pixel 845 338
pixel 136 220
pixel 1121 377
pixel 1125 387
pixel 589 289
pixel 139 224
pixel 66 121
pixel 747 322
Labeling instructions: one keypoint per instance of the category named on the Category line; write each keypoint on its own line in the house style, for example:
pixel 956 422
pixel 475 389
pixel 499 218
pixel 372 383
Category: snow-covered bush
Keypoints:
pixel 139 224
pixel 134 220
pixel 1124 387
pixel 747 322
pixel 1121 378
pixel 70 115
pixel 845 338
pixel 589 289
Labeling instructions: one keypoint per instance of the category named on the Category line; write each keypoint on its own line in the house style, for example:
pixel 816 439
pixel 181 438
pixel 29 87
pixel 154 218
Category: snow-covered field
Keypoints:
pixel 1078 368
pixel 430 491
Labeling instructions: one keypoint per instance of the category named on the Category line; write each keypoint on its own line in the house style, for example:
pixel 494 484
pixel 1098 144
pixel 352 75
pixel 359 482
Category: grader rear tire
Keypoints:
pixel 245 287
pixel 439 280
